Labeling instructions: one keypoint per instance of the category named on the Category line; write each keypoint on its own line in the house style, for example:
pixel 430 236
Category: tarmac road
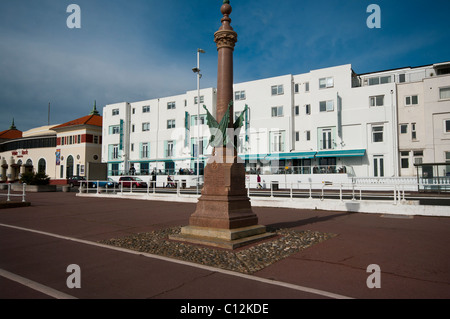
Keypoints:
pixel 38 243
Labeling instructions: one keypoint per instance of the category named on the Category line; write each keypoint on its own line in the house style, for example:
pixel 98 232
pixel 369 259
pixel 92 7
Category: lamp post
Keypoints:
pixel 199 76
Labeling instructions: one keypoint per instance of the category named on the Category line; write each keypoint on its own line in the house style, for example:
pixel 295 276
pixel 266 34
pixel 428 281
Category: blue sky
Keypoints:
pixel 142 49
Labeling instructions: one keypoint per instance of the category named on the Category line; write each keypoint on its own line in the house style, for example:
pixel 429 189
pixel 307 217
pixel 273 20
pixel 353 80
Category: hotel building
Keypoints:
pixel 328 122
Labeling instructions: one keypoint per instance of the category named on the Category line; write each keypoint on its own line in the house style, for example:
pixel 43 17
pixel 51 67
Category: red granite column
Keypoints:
pixel 225 39
pixel 224 202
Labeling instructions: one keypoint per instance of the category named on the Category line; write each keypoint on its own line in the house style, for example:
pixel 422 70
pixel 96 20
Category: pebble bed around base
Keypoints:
pixel 247 260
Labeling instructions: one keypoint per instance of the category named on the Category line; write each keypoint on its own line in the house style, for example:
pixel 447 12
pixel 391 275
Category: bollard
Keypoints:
pixel 291 191
pixel 310 190
pixel 23 193
pixel 8 199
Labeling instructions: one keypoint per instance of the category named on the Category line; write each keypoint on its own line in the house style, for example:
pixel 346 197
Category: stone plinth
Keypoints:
pixel 222 238
pixel 224 217
pixel 224 202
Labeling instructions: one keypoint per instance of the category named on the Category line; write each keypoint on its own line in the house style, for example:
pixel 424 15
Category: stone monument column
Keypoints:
pixel 224 216
pixel 225 39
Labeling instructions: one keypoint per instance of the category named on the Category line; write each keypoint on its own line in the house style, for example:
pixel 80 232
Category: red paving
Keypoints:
pixel 413 253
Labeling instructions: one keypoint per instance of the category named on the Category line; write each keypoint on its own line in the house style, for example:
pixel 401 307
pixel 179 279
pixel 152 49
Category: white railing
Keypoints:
pixel 9 194
pixel 131 187
pixel 325 190
pixel 395 192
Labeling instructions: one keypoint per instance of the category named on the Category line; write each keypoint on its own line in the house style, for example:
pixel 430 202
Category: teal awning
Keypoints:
pixel 299 155
pixel 278 156
pixel 341 153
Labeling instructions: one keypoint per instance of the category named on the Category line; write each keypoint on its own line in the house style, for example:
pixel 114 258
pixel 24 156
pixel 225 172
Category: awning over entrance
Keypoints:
pixel 341 153
pixel 278 156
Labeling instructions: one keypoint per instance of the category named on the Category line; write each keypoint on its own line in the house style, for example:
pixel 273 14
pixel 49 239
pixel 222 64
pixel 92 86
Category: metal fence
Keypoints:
pixel 9 195
pixel 394 192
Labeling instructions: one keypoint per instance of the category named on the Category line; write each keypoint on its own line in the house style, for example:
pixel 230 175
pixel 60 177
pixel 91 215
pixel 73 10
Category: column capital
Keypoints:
pixel 225 39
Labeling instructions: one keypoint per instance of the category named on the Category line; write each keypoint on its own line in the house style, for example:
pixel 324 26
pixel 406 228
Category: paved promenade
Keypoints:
pixel 39 242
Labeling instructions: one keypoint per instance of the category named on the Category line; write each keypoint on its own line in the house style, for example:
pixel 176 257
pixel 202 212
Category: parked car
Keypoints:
pixel 110 183
pixel 76 181
pixel 131 181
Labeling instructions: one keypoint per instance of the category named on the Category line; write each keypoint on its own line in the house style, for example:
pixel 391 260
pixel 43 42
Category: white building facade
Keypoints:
pixel 328 122
pixel 157 135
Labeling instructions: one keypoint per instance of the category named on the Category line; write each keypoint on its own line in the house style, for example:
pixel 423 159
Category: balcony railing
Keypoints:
pixel 302 170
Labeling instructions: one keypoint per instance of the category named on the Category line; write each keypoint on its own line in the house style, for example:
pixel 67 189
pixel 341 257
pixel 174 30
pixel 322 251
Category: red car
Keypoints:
pixel 131 181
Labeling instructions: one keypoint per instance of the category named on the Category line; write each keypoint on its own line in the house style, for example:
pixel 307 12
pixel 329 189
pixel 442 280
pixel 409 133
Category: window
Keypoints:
pixel 447 126
pixel 297 88
pixel 447 157
pixel 403 128
pixel 308 109
pixel 277 90
pixel 444 93
pixel 132 128
pixel 297 136
pixel 402 78
pixel 325 83
pixel 378 166
pixel 172 105
pixel 326 143
pixel 377 134
pixel 308 135
pixel 202 99
pixel 170 124
pixel 115 112
pixel 145 150
pixel 418 157
pixel 115 129
pixel 297 110
pixel 113 152
pixel 377 100
pixel 277 111
pixel 306 86
pixel 239 95
pixel 146 109
pixel 169 150
pixel 413 132
pixel 133 111
pixel 79 139
pixel 195 145
pixel 380 80
pixel 41 166
pixel 404 159
pixel 443 71
pixel 145 127
pixel 132 147
pixel 277 141
pixel 385 79
pixel 96 140
pixel 326 106
pixel 412 100
pixel 194 120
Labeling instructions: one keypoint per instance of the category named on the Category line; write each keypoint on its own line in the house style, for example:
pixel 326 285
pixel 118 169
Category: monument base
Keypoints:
pixel 222 238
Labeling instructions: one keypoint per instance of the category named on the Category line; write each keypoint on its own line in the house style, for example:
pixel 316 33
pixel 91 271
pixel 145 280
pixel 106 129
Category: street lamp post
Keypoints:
pixel 199 76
